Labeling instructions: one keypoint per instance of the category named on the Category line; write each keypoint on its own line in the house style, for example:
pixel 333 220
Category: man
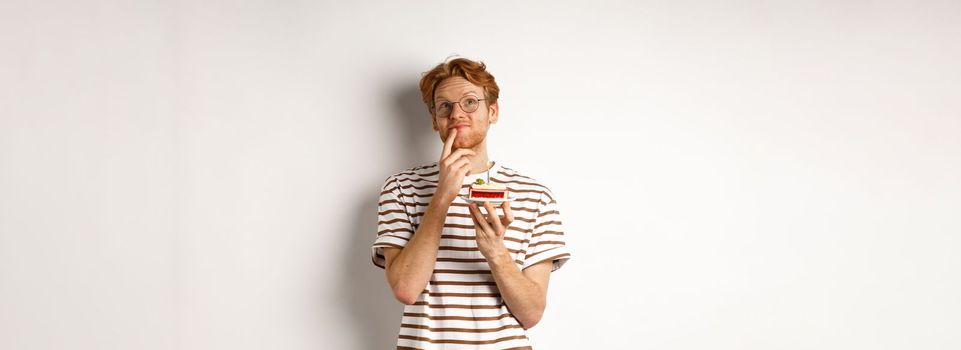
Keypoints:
pixel 471 277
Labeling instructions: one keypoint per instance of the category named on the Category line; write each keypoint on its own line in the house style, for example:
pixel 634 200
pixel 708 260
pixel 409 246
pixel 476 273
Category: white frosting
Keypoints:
pixel 488 187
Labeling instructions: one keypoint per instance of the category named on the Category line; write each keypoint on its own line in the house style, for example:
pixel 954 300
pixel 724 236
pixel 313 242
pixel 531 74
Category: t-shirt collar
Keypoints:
pixel 470 178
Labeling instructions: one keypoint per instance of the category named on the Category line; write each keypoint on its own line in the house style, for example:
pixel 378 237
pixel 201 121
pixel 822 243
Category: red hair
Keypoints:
pixel 473 71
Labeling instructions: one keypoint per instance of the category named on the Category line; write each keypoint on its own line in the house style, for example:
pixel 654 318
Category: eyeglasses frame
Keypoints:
pixel 433 108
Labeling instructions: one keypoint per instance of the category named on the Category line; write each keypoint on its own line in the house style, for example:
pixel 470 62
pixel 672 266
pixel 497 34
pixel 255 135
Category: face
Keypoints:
pixel 471 127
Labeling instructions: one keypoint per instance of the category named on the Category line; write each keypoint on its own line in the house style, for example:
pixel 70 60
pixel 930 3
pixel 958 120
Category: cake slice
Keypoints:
pixel 487 192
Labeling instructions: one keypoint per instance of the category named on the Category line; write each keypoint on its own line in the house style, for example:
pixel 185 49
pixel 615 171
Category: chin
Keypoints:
pixel 466 143
pixel 463 144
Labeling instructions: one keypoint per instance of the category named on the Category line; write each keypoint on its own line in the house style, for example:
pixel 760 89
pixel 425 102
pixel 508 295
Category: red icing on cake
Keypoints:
pixel 484 194
pixel 489 191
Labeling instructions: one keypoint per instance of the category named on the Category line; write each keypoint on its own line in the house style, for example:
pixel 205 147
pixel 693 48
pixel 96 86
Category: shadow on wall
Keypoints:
pixel 373 312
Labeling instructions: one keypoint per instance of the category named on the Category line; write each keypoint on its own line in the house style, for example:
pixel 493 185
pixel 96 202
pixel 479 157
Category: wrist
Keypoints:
pixel 498 257
pixel 442 199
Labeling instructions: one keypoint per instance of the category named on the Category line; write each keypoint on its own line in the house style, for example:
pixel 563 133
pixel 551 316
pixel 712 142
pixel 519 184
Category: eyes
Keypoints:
pixel 468 104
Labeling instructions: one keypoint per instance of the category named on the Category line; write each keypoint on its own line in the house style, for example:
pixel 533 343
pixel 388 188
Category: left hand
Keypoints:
pixel 489 228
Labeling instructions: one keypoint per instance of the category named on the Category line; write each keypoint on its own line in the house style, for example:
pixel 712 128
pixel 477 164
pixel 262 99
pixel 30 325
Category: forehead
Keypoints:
pixel 455 88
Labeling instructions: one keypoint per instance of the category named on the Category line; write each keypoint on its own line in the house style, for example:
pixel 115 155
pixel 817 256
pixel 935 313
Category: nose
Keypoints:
pixel 456 110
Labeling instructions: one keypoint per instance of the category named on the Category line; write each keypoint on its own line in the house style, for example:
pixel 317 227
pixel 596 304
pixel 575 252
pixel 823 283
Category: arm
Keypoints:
pixel 409 269
pixel 524 292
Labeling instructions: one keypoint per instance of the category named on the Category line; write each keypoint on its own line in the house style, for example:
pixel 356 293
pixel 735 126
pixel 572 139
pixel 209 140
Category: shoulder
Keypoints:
pixel 524 182
pixel 421 173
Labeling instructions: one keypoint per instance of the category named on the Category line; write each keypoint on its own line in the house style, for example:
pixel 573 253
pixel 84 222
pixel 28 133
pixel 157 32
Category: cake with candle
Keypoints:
pixel 481 191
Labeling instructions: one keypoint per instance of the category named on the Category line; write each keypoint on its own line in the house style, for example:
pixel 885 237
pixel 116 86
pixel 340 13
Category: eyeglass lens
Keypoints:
pixel 468 104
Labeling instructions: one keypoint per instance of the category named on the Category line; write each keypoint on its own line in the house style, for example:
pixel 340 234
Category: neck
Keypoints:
pixel 479 162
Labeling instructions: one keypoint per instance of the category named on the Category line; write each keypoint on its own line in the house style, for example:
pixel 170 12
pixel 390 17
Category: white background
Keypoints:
pixel 732 174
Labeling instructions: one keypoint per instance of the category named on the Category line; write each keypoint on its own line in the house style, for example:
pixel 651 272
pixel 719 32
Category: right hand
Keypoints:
pixel 454 166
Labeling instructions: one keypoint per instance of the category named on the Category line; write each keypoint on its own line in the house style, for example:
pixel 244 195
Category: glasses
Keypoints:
pixel 467 104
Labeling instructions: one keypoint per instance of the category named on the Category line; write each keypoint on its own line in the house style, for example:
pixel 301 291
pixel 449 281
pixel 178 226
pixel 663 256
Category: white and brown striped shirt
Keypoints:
pixel 462 307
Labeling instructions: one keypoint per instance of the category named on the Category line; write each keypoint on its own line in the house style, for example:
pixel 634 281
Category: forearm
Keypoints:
pixel 411 269
pixel 525 298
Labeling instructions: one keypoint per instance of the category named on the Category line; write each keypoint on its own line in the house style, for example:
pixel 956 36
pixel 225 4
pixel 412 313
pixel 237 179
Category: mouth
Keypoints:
pixel 459 127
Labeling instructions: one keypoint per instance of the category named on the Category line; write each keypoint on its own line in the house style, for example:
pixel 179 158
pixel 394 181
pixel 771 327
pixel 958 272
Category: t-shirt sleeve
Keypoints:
pixel 547 239
pixel 394 226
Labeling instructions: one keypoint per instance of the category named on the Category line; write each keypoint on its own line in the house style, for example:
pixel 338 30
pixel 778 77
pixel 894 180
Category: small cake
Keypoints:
pixel 481 191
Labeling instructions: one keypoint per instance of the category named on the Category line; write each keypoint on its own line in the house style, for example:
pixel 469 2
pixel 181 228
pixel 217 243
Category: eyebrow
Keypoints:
pixel 438 98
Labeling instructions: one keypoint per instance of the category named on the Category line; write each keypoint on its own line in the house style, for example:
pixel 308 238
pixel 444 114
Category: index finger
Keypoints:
pixel 492 215
pixel 449 144
pixel 479 217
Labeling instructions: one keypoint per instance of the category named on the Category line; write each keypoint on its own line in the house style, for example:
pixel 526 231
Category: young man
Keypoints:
pixel 471 277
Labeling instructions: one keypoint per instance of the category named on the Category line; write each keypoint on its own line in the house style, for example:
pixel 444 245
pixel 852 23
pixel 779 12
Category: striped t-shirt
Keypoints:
pixel 461 307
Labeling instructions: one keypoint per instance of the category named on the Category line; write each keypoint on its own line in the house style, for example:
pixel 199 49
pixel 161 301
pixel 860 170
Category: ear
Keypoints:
pixel 492 113
pixel 433 122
